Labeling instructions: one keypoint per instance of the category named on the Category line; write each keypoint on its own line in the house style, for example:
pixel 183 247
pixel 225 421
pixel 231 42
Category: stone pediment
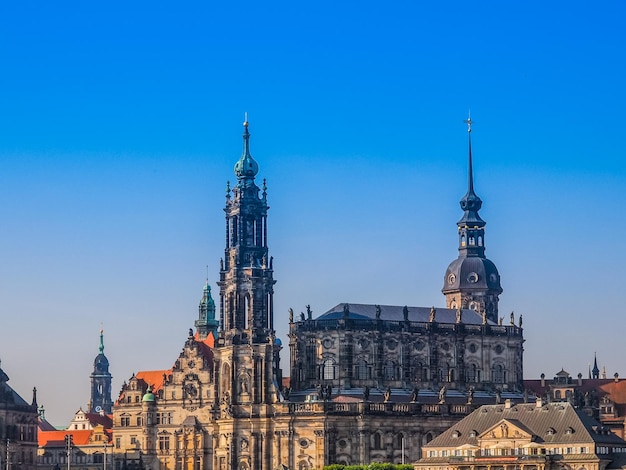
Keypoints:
pixel 507 429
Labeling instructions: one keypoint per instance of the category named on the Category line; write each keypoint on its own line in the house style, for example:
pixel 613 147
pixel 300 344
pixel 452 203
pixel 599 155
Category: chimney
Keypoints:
pixel 507 404
pixel 543 380
pixel 539 402
pixel 616 377
pixel 580 379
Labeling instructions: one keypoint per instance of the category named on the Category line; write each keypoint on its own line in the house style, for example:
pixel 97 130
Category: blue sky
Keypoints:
pixel 120 125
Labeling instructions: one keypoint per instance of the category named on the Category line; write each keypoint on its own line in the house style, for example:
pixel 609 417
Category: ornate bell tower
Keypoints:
pixel 472 281
pixel 247 351
pixel 246 281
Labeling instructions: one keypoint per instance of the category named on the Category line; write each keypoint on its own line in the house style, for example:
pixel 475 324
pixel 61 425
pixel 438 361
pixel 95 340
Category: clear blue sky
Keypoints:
pixel 120 125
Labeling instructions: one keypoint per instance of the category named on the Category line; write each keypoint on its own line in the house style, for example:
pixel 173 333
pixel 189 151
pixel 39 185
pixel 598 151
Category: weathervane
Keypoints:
pixel 468 121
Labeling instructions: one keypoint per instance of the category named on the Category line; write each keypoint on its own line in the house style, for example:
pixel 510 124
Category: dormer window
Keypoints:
pixel 551 431
pixel 456 434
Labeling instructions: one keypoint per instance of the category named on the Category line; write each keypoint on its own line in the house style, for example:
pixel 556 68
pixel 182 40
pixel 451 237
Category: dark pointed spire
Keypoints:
pixel 470 203
pixel 595 372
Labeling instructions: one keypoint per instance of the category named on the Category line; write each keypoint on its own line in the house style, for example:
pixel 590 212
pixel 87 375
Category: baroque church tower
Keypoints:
pixel 206 322
pixel 100 400
pixel 472 281
pixel 246 354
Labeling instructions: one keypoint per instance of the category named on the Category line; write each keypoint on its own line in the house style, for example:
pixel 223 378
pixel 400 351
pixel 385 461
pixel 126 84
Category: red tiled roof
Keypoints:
pixel 154 378
pixel 616 390
pixel 56 438
pixel 209 341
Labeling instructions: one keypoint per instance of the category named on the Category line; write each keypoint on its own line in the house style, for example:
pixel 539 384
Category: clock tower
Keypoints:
pixel 100 401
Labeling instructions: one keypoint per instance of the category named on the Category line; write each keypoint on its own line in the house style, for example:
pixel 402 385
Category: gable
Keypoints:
pixel 507 429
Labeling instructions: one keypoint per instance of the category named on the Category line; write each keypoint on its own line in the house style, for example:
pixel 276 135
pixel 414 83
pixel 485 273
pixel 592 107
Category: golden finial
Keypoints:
pixel 245 119
pixel 468 121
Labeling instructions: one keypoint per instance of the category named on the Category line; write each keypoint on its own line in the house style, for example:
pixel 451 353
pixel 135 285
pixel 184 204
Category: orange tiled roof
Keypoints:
pixel 56 438
pixel 617 391
pixel 154 378
pixel 209 341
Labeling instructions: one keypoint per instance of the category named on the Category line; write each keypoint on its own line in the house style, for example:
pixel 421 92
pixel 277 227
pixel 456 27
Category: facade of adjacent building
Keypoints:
pixel 369 383
pixel 600 397
pixel 18 428
pixel 534 436
pixel 87 439
pixel 89 436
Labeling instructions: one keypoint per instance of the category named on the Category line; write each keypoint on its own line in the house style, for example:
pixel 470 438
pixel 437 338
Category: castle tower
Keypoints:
pixel 206 321
pixel 246 352
pixel 100 400
pixel 472 281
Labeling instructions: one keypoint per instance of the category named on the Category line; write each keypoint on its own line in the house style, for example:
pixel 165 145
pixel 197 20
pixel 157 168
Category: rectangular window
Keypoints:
pixel 118 442
pixel 125 421
pixel 164 443
pixel 133 439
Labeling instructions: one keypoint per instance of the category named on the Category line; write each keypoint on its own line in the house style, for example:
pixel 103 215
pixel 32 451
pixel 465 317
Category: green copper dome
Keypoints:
pixel 246 167
pixel 149 396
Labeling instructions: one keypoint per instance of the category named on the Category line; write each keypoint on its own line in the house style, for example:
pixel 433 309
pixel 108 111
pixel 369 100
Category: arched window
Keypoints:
pixel 480 241
pixel 235 227
pixel 225 378
pixel 376 441
pixel 472 374
pixel 328 369
pixel 246 312
pixel 389 371
pixel 557 394
pixel 499 374
pixel 362 370
pixel 463 240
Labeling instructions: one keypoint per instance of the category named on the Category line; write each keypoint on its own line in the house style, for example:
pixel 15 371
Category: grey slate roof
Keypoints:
pixel 395 313
pixel 569 425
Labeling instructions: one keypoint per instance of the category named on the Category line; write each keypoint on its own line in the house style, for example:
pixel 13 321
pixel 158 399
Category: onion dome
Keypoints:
pixel 246 167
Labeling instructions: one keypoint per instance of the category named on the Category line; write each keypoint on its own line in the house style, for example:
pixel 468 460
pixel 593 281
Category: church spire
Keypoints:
pixel 246 283
pixel 101 347
pixel 246 167
pixel 470 203
pixel 472 281
pixel 100 400
pixel 595 372
pixel 206 321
